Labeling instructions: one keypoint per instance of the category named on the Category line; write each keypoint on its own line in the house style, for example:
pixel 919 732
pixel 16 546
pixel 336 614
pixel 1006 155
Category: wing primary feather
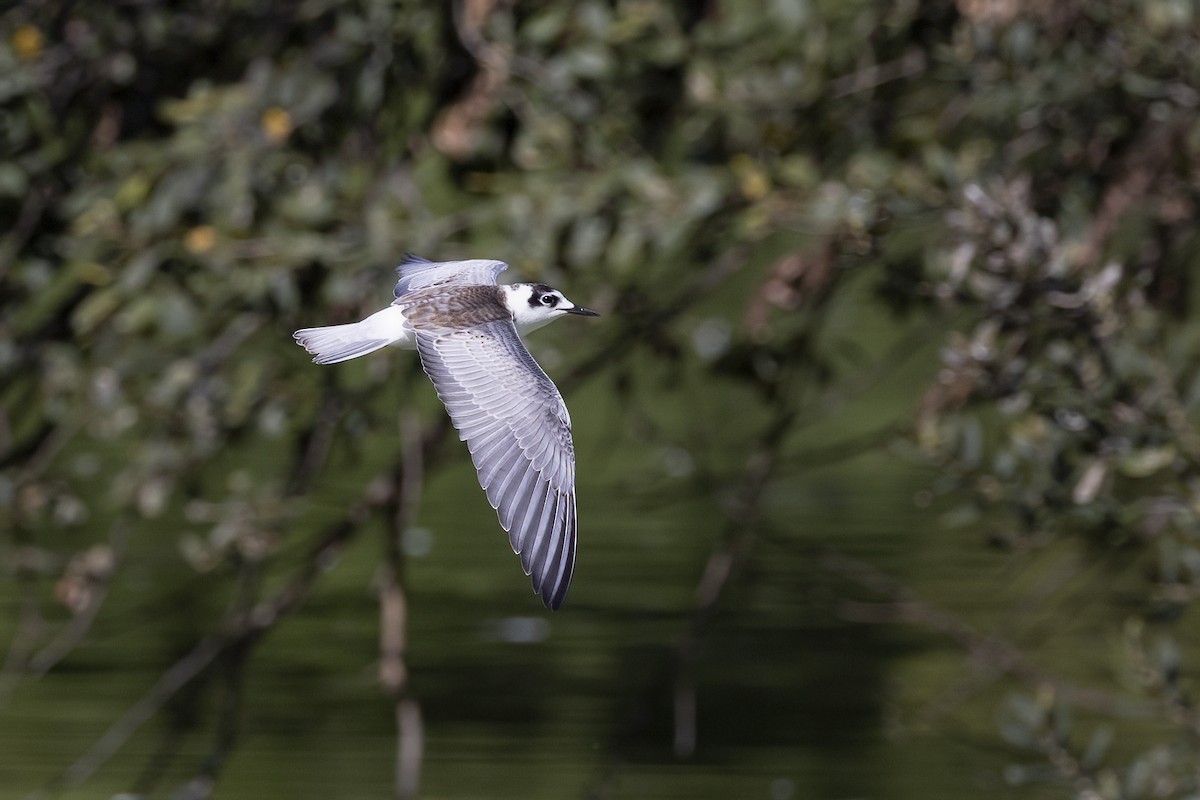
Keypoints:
pixel 562 580
pixel 529 553
pixel 545 520
pixel 515 505
pixel 555 551
pixel 541 550
pixel 531 522
pixel 514 502
pixel 526 525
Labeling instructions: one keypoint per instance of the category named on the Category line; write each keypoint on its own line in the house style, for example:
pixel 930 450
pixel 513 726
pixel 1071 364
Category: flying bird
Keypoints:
pixel 467 330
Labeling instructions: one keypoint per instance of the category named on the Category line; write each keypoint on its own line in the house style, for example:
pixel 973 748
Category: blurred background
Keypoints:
pixel 886 449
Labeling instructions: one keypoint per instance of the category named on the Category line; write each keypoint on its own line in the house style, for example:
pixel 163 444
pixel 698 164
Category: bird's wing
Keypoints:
pixel 518 430
pixel 415 272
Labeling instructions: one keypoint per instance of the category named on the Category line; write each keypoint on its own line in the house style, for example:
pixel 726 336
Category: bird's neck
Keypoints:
pixel 526 317
pixel 526 325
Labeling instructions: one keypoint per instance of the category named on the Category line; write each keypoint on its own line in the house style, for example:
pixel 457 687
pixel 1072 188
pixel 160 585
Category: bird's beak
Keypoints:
pixel 581 311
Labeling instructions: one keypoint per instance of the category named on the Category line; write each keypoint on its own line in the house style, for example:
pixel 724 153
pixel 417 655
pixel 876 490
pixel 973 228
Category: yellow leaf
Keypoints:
pixel 28 42
pixel 200 239
pixel 276 125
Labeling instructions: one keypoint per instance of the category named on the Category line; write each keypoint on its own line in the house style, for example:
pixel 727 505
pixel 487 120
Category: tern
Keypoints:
pixel 467 331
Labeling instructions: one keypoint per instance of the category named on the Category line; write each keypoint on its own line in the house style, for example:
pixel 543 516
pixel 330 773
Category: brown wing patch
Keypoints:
pixel 454 307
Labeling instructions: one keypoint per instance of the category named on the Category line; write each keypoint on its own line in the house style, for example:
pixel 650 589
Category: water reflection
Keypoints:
pixel 789 698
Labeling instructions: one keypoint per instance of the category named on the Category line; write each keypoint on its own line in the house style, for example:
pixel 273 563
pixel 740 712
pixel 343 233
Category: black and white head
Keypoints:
pixel 536 304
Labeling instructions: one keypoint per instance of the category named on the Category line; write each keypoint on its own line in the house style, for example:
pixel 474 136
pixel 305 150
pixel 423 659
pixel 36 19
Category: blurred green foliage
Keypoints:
pixel 738 186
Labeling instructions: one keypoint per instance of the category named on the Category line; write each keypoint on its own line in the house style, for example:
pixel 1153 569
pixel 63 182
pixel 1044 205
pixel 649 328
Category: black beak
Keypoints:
pixel 581 311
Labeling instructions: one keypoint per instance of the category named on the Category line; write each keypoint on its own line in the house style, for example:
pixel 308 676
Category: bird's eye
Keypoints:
pixel 548 300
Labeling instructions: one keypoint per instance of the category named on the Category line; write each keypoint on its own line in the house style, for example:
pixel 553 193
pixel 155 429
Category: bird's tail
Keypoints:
pixel 335 343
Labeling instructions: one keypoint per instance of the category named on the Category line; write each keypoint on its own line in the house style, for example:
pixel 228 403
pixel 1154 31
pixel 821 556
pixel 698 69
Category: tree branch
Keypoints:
pixel 393 612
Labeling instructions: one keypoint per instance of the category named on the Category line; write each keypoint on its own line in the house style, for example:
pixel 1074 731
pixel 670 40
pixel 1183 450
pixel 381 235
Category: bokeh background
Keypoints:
pixel 887 452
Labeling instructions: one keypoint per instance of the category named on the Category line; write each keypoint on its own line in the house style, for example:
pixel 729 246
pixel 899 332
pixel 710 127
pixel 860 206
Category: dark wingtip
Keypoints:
pixel 411 258
pixel 553 600
pixel 554 596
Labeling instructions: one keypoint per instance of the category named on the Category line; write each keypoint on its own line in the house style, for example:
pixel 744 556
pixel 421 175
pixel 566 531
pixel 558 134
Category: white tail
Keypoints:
pixel 335 343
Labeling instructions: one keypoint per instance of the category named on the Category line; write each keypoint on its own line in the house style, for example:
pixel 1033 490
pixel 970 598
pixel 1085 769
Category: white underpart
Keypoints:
pixel 334 343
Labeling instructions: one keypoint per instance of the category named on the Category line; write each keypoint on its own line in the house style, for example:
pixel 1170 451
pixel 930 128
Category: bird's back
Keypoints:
pixel 453 306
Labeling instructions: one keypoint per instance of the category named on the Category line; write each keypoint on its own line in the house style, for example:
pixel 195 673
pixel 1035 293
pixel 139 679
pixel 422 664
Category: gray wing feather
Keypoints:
pixel 517 428
pixel 415 272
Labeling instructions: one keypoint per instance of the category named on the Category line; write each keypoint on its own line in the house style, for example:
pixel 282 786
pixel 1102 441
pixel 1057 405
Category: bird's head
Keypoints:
pixel 536 304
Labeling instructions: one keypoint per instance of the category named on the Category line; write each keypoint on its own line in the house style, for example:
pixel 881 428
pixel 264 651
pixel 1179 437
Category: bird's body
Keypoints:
pixel 467 329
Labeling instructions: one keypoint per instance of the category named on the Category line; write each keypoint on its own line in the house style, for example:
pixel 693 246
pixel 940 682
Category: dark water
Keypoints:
pixel 792 700
pixel 794 695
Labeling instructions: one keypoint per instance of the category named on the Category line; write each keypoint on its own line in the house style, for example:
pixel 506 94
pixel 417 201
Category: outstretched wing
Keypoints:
pixel 418 273
pixel 518 430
